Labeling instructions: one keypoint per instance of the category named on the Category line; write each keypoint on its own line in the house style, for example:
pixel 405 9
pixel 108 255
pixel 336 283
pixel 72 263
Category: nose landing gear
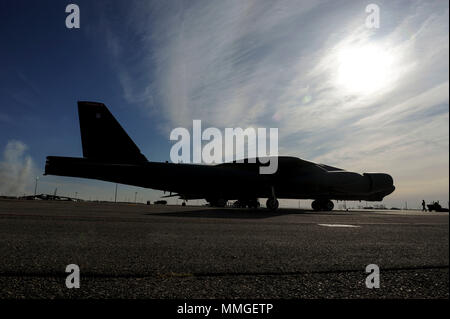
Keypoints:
pixel 322 205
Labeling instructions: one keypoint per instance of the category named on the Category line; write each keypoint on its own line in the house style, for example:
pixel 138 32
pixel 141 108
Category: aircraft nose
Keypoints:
pixel 390 182
pixel 390 179
pixel 381 182
pixel 390 190
pixel 389 187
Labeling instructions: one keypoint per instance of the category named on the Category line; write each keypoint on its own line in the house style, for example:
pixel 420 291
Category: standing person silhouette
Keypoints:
pixel 424 208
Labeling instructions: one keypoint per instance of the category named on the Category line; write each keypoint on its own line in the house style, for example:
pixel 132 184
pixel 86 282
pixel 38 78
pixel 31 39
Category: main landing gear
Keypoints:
pixel 272 202
pixel 217 202
pixel 322 205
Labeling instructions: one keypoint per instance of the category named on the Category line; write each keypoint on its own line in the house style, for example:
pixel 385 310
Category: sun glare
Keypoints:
pixel 364 69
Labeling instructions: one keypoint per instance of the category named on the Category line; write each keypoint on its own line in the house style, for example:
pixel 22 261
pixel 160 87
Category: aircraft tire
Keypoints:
pixel 272 204
pixel 315 205
pixel 328 205
pixel 221 202
pixel 322 205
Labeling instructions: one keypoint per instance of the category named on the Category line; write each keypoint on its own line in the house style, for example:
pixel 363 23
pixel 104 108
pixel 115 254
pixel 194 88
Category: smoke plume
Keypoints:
pixel 16 169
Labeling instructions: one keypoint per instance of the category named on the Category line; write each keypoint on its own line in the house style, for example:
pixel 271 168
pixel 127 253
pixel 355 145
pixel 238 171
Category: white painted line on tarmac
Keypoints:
pixel 338 225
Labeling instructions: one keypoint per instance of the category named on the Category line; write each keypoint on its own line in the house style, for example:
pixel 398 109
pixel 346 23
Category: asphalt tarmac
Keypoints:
pixel 140 251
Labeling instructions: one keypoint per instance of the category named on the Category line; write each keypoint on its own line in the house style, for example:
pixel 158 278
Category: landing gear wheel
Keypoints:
pixel 322 205
pixel 272 204
pixel 316 205
pixel 221 202
pixel 328 205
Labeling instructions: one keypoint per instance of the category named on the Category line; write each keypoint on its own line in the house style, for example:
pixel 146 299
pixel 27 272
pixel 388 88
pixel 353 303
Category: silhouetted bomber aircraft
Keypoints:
pixel 109 154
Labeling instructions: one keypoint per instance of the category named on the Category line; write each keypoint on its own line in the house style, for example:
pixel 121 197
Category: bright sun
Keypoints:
pixel 364 69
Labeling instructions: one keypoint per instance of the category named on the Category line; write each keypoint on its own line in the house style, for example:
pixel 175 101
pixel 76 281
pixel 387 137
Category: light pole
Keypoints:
pixel 35 185
pixel 115 195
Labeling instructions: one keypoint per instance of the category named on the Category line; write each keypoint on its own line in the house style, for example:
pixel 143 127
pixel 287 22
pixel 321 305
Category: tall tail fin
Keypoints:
pixel 103 138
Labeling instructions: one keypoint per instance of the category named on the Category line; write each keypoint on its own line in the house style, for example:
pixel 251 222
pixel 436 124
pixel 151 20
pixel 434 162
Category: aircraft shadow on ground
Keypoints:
pixel 240 213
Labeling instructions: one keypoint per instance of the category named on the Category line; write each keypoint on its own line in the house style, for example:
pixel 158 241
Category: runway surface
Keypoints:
pixel 140 251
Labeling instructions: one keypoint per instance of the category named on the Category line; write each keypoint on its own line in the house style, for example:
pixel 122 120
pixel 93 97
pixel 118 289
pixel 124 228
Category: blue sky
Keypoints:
pixel 362 99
